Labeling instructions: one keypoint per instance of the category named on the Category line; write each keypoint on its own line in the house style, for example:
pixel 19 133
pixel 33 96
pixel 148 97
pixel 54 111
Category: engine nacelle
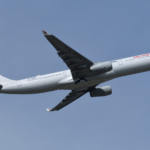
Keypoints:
pixel 101 91
pixel 102 66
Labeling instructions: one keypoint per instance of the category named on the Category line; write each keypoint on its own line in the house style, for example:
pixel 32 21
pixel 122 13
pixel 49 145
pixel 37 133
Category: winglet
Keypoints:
pixel 45 33
pixel 48 109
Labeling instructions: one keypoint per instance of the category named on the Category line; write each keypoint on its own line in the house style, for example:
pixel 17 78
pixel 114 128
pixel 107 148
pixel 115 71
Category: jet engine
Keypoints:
pixel 102 66
pixel 101 91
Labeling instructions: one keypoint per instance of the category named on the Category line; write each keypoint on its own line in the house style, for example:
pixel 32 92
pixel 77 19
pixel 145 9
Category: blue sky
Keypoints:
pixel 99 30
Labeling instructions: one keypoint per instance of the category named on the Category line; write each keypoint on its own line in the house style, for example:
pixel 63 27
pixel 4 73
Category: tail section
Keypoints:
pixel 3 79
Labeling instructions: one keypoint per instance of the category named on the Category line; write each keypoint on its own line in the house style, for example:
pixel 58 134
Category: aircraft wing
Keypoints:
pixel 72 96
pixel 78 64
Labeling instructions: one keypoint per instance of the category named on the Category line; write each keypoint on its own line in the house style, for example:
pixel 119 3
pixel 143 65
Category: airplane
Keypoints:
pixel 82 77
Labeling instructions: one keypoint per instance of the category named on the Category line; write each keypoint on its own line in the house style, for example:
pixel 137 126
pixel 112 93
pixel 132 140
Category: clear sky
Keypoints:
pixel 100 30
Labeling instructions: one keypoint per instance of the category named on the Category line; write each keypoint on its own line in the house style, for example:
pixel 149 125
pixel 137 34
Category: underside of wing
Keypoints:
pixel 78 64
pixel 72 96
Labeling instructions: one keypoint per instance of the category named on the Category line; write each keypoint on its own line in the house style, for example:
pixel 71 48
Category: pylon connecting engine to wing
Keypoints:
pixel 101 91
pixel 102 66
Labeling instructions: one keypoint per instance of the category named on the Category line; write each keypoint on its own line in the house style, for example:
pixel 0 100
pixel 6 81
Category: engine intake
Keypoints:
pixel 102 66
pixel 101 91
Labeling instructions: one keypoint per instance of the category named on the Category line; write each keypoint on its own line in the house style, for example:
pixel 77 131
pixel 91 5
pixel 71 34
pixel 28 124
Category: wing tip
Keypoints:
pixel 48 109
pixel 45 33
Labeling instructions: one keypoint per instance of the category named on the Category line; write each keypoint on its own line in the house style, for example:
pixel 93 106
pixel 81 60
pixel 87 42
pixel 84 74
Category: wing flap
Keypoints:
pixel 73 59
pixel 72 96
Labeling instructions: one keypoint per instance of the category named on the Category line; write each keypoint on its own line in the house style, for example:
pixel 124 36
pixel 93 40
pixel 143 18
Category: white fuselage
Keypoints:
pixel 64 80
